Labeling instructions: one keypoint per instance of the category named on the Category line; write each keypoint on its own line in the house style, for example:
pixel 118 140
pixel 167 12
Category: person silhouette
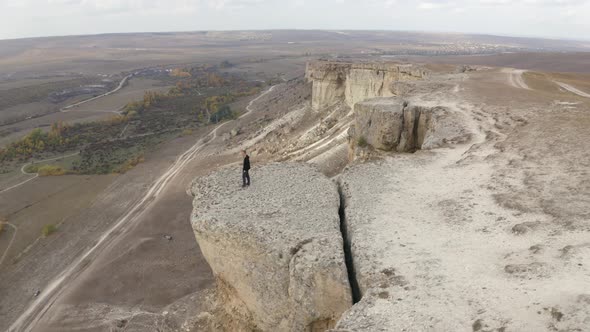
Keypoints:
pixel 245 169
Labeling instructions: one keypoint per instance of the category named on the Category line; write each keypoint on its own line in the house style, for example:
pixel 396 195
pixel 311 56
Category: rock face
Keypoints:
pixel 335 82
pixel 378 123
pixel 275 247
pixel 390 124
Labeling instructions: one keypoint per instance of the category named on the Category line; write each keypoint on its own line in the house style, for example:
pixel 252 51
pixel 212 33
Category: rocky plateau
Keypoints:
pixel 403 197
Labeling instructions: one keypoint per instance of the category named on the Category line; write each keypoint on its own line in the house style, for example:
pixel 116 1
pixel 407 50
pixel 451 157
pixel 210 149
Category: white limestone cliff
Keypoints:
pixel 275 247
pixel 355 82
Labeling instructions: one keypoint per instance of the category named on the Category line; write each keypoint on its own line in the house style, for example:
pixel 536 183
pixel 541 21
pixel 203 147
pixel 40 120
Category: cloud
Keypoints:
pixel 542 3
pixel 113 7
pixel 233 4
pixel 429 5
pixel 435 4
pixel 21 18
pixel 556 2
pixel 459 6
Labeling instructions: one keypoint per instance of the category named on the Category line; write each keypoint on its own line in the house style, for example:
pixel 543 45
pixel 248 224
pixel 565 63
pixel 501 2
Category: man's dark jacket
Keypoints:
pixel 247 163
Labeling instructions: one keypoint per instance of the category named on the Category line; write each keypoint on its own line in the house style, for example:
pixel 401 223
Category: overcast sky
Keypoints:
pixel 545 18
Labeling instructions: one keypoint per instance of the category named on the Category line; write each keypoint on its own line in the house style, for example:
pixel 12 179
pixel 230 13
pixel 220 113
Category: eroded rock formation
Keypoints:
pixel 474 236
pixel 275 247
pixel 335 82
pixel 390 124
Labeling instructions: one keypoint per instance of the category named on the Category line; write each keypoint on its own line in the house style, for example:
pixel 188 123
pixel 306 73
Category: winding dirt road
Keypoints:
pixel 249 107
pixel 66 109
pixel 119 87
pixel 35 175
pixel 28 320
pixel 573 89
pixel 515 78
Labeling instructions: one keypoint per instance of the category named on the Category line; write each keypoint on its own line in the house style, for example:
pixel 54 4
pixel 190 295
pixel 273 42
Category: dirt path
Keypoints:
pixel 515 78
pixel 22 169
pixel 35 175
pixel 249 107
pixel 19 184
pixel 119 87
pixel 10 243
pixel 573 89
pixel 28 320
pixel 248 111
pixel 123 131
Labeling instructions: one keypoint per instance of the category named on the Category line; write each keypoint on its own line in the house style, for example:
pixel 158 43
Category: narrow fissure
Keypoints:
pixel 348 259
pixel 412 134
pixel 415 133
pixel 403 122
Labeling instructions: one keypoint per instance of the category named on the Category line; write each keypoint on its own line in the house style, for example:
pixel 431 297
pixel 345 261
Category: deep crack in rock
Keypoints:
pixel 348 259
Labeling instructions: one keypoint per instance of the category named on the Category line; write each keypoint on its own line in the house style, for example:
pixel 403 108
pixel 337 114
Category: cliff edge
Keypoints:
pixel 334 82
pixel 275 247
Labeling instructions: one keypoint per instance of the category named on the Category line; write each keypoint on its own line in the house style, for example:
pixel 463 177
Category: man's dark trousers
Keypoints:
pixel 246 177
pixel 245 169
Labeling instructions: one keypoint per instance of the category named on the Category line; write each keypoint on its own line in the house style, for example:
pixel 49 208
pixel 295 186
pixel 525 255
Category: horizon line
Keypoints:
pixel 554 38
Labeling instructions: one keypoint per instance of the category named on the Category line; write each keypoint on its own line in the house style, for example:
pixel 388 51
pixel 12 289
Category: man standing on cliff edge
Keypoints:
pixel 245 169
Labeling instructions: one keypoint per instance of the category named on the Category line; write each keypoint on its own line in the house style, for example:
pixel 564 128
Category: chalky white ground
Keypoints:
pixel 433 248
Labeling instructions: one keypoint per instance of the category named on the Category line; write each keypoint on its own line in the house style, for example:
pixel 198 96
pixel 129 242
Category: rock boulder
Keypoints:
pixel 391 124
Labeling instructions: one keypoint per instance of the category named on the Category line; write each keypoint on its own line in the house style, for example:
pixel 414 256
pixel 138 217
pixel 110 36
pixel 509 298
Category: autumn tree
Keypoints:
pixel 178 72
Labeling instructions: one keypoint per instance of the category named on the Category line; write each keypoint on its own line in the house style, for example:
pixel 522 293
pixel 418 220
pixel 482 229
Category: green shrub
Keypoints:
pixel 131 114
pixel 129 164
pixel 32 168
pixel 50 170
pixel 362 142
pixel 48 230
pixel 224 112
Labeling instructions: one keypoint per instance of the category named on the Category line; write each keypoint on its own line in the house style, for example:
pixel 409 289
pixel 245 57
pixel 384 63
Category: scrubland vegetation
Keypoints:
pixel 53 93
pixel 48 230
pixel 200 96
pixel 362 142
pixel 129 164
pixel 37 141
pixel 51 170
pixel 187 132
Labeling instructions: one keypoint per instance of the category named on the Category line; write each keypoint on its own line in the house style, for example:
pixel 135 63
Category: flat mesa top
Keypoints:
pixel 292 198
